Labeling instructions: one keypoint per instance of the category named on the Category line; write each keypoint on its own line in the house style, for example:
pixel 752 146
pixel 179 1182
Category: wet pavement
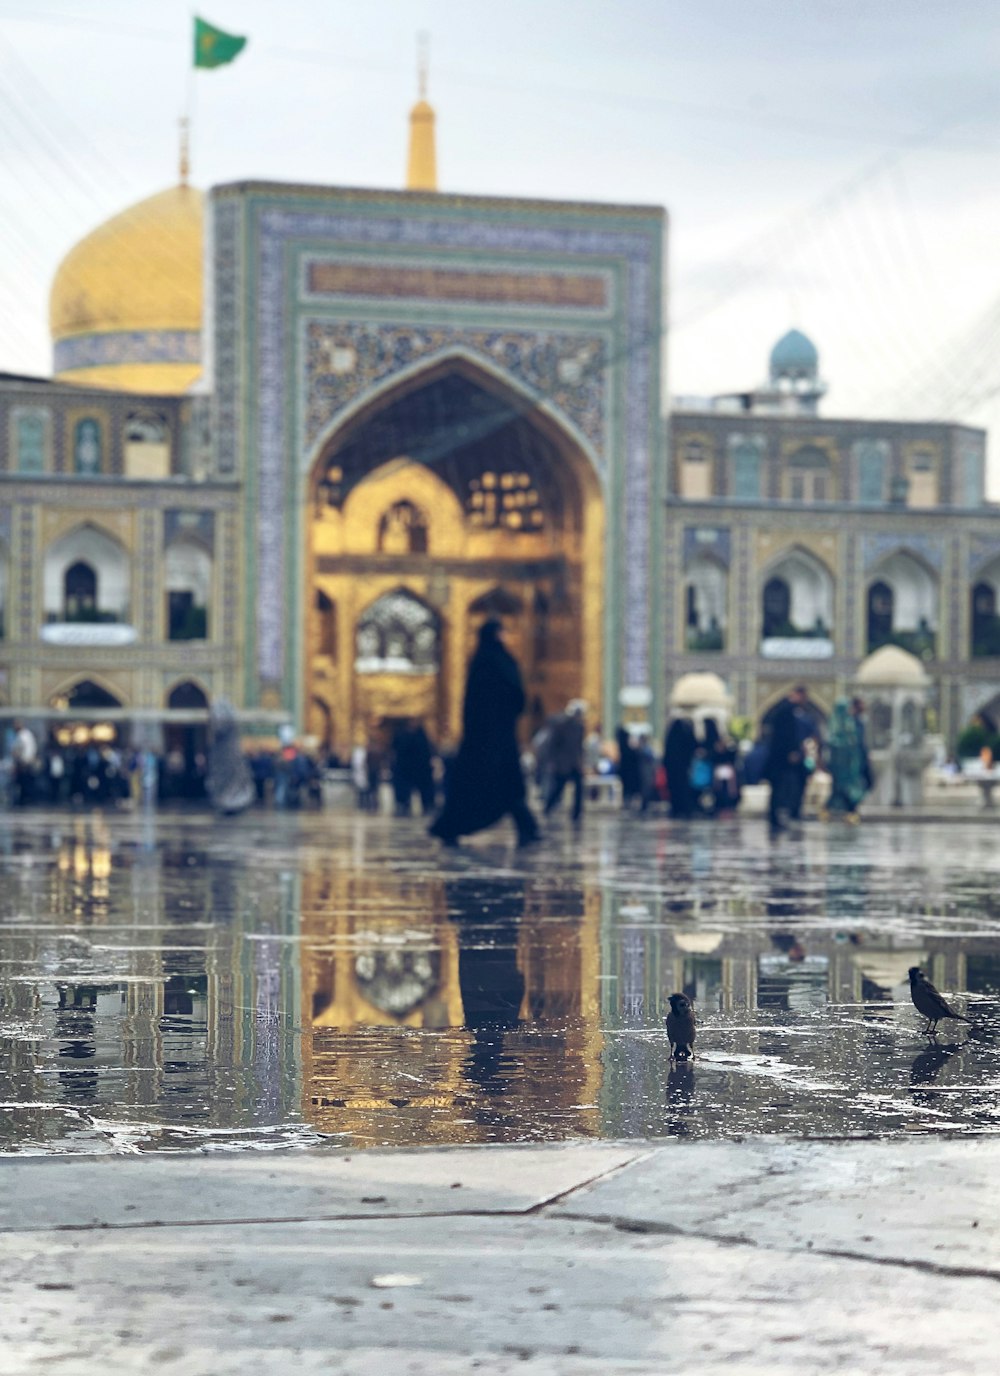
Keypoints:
pixel 173 981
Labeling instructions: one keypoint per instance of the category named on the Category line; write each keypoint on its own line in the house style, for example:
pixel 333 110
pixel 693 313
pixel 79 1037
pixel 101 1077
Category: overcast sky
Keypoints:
pixel 830 164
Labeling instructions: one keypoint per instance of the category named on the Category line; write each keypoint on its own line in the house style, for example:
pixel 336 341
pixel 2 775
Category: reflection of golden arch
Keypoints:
pixel 561 567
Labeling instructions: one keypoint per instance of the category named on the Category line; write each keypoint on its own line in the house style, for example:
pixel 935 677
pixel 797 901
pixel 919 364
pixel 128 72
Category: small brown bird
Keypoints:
pixel 929 1002
pixel 680 1028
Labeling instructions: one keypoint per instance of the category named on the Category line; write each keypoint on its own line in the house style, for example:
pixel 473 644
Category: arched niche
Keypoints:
pixel 101 553
pixel 797 606
pixel 706 598
pixel 403 529
pixel 398 634
pixel 984 623
pixel 187 580
pixel 85 694
pixel 902 605
pixel 187 696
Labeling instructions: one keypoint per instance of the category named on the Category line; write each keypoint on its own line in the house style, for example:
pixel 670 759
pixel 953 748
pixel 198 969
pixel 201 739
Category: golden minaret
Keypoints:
pixel 421 166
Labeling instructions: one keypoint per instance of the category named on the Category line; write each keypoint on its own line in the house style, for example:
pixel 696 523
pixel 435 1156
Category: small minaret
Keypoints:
pixel 421 165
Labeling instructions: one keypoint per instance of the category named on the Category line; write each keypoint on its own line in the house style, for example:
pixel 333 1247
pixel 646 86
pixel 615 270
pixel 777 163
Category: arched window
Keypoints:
pixel 86 695
pixel 403 530
pixel 326 625
pixel 705 605
pixel 147 445
pixel 398 634
pixel 188 583
pixel 746 469
pixel 797 604
pixel 808 476
pixel 31 441
pixel 777 608
pixel 104 588
pixel 880 613
pixel 985 622
pixel 187 696
pixel 903 606
pixel 87 457
pixel 695 469
pixel 80 593
pixel 871 465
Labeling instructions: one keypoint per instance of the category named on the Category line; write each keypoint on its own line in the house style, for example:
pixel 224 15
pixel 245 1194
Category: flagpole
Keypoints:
pixel 189 105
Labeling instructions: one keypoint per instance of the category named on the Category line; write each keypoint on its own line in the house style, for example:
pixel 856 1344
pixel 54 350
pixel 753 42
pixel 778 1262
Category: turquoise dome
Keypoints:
pixel 794 356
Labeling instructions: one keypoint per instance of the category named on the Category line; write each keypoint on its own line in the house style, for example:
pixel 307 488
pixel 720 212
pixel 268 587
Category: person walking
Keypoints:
pixel 784 764
pixel 487 781
pixel 628 767
pixel 846 762
pixel 25 753
pixel 565 757
pixel 679 747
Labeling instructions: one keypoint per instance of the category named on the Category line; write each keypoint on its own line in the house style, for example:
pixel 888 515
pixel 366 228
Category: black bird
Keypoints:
pixel 929 1002
pixel 680 1028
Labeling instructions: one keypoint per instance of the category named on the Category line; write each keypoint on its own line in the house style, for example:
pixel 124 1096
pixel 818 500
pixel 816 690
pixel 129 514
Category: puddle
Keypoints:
pixel 282 981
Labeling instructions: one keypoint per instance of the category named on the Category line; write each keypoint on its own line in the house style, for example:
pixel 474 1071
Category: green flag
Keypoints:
pixel 213 47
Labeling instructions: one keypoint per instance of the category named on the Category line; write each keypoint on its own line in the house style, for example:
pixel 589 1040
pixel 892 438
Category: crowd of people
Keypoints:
pixel 701 772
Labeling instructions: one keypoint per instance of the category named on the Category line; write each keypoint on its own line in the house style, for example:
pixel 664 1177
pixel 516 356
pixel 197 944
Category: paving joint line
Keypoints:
pixel 655 1228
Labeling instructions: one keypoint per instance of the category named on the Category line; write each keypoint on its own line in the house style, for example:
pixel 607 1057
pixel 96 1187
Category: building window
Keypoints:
pixel 985 622
pixel 746 470
pixel 808 477
pixel 87 458
pixel 777 608
pixel 326 625
pixel 705 597
pixel 147 445
pixel 797 605
pixel 403 530
pixel 80 593
pixel 398 634
pixel 30 441
pixel 902 606
pixel 695 471
pixel 188 582
pixel 922 472
pixel 973 471
pixel 871 464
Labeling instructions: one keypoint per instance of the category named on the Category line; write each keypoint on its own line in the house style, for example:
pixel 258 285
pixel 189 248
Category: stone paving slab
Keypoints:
pixel 107 1192
pixel 686 1254
pixel 929 1201
pixel 538 1292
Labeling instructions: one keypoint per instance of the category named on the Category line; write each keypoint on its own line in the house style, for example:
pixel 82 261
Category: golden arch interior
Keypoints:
pixel 449 500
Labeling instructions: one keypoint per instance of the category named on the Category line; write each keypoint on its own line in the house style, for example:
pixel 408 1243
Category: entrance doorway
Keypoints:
pixel 449 500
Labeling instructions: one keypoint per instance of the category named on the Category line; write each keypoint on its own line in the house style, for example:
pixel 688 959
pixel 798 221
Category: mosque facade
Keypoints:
pixel 301 441
pixel 797 545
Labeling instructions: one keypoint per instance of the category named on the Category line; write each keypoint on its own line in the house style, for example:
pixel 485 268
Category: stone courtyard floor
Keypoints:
pixel 212 1031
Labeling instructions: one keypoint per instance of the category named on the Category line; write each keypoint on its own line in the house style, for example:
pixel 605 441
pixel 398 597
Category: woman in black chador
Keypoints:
pixel 487 780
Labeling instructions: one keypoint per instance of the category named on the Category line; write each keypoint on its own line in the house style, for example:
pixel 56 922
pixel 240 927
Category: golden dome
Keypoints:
pixel 125 307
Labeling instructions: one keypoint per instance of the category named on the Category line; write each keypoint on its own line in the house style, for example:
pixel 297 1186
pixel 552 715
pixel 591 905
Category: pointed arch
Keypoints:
pixel 78 685
pixel 910 617
pixel 476 368
pixel 796 594
pixel 187 692
pixel 96 547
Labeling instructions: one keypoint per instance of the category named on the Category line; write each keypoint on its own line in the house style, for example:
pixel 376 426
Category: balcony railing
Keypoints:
pixel 787 641
pixel 709 641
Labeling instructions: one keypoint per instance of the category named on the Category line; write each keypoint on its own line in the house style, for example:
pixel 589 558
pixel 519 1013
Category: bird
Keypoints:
pixel 680 1027
pixel 929 1002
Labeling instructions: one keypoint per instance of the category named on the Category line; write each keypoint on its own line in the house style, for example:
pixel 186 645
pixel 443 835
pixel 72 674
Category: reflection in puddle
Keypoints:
pixel 280 981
